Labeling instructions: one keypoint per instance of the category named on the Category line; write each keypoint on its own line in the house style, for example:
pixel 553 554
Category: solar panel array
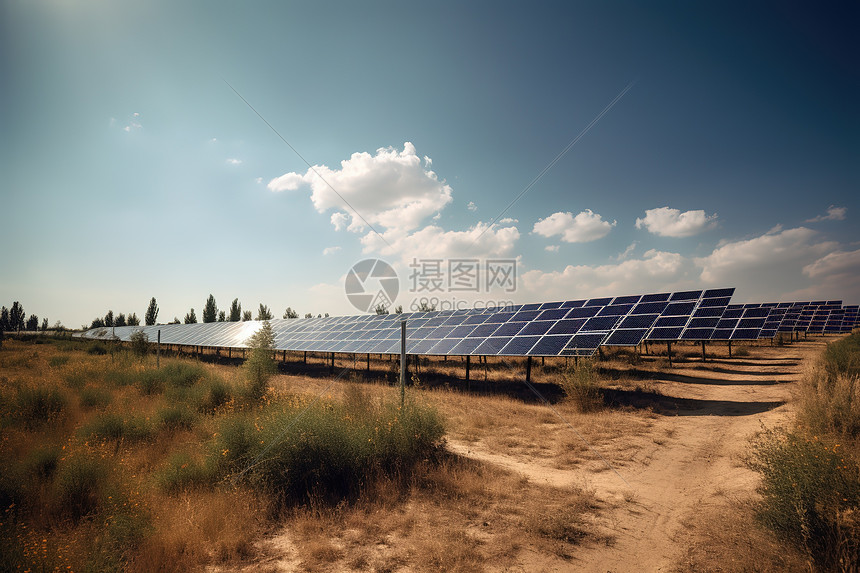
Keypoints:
pixel 569 328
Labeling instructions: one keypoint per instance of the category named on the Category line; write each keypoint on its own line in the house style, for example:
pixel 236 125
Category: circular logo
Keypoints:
pixel 371 283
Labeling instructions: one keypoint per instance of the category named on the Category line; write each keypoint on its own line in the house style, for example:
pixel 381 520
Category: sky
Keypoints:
pixel 258 150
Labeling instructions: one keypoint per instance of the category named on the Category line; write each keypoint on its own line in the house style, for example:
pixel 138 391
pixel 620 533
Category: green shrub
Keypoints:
pixel 150 382
pixel 830 391
pixel 42 462
pixel 139 343
pixel 79 486
pixel 215 393
pixel 110 426
pixel 325 451
pixel 580 385
pixel 97 348
pixel 39 404
pixel 176 418
pixel 57 361
pixel 182 472
pixel 181 374
pixel 92 397
pixel 843 357
pixel 810 493
pixel 260 366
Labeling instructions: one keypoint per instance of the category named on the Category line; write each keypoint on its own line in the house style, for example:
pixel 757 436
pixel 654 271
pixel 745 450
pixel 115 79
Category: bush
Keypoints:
pixel 810 493
pixel 830 391
pixel 580 386
pixel 94 397
pixel 57 361
pixel 39 404
pixel 79 486
pixel 326 451
pixel 42 462
pixel 139 343
pixel 215 394
pixel 260 366
pixel 182 472
pixel 176 418
pixel 110 426
pixel 97 348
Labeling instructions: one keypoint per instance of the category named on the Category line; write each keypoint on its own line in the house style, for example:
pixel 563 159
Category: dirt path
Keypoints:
pixel 708 411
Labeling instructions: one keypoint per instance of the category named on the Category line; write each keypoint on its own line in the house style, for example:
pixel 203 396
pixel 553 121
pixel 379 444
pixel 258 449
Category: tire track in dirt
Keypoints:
pixel 711 410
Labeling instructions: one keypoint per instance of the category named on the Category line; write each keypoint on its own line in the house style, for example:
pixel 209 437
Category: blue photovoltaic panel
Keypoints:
pixel 550 345
pixel 626 337
pixel 567 326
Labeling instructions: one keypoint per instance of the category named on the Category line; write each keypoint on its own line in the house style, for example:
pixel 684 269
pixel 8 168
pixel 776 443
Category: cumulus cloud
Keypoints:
pixel 628 251
pixel 833 214
pixel 835 263
pixel 433 242
pixel 551 248
pixel 786 249
pixel 339 220
pixel 668 222
pixel 585 227
pixel 507 221
pixel 656 270
pixel 390 190
pixel 471 206
pixel 330 250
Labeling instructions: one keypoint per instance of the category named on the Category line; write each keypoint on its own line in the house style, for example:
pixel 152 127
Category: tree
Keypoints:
pixel 16 316
pixel 33 322
pixel 290 313
pixel 133 320
pixel 210 310
pixel 175 320
pixel 109 319
pixel 98 322
pixel 264 313
pixel 139 342
pixel 222 316
pixel 120 320
pixel 191 318
pixel 260 365
pixel 426 307
pixel 4 319
pixel 381 309
pixel 398 309
pixel 151 313
pixel 308 315
pixel 246 315
pixel 44 325
pixel 235 310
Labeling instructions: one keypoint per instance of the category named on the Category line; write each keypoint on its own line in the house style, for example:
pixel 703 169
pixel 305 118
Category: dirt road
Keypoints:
pixel 690 458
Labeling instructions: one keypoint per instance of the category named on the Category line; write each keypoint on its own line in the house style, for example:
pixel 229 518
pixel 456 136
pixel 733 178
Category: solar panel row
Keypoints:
pixel 569 328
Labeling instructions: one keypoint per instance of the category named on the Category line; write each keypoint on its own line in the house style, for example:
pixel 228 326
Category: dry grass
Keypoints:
pixel 726 538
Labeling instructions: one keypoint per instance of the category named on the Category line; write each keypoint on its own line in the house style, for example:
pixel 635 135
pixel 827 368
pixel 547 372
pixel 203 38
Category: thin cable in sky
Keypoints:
pixel 557 158
pixel 311 167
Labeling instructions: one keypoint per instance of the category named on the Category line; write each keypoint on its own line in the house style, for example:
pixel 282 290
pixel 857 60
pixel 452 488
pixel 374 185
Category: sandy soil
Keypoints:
pixel 708 413
pixel 689 456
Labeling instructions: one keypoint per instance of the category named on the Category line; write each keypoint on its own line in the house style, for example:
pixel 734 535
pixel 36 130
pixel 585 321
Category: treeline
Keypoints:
pixel 211 313
pixel 14 319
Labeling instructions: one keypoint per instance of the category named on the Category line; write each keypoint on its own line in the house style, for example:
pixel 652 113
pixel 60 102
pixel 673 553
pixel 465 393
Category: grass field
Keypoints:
pixel 110 463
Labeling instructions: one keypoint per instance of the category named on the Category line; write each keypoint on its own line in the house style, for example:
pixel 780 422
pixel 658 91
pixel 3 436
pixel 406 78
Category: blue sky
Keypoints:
pixel 129 168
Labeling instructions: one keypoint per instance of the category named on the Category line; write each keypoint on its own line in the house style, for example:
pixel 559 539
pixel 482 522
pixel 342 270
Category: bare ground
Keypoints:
pixel 664 468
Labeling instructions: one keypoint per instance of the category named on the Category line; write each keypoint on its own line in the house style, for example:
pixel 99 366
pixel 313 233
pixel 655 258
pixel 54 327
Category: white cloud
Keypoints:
pixel 587 226
pixel 835 263
pixel 391 190
pixel 258 180
pixel 507 221
pixel 778 250
pixel 339 220
pixel 628 251
pixel 471 206
pixel 234 161
pixel 330 250
pixel 551 248
pixel 433 242
pixel 833 214
pixel 656 270
pixel 668 222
